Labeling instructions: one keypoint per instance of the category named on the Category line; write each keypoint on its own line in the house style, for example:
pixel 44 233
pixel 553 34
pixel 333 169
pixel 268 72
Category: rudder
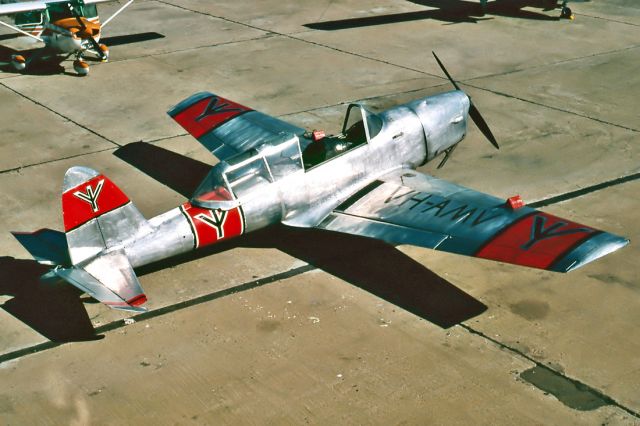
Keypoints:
pixel 97 215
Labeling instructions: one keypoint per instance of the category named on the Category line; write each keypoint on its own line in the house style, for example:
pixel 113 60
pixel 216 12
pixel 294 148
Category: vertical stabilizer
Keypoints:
pixel 97 215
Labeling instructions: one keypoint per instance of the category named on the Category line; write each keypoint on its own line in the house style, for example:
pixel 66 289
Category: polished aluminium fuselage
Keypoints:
pixel 411 135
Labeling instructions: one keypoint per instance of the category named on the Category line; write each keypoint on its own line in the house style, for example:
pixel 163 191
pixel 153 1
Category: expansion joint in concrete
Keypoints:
pixel 606 398
pixel 22 95
pixel 588 117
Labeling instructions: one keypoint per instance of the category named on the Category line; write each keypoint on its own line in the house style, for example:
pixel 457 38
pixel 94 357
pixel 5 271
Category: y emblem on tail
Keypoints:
pixel 91 195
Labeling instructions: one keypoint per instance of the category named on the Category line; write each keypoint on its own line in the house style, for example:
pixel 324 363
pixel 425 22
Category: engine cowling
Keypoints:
pixel 444 120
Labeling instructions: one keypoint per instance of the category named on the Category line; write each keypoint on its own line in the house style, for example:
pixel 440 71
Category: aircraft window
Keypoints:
pixel 285 158
pixel 331 146
pixel 374 124
pixel 59 11
pixel 90 11
pixel 27 18
pixel 353 135
pixel 213 192
pixel 248 177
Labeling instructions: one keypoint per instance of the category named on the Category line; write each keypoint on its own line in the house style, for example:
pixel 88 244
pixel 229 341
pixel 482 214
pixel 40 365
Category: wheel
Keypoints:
pixel 81 67
pixel 566 13
pixel 105 52
pixel 18 62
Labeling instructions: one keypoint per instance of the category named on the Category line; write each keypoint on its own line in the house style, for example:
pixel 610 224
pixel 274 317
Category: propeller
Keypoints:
pixel 473 111
pixel 83 27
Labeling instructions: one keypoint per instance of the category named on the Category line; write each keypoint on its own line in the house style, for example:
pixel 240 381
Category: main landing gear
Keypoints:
pixel 18 62
pixel 82 67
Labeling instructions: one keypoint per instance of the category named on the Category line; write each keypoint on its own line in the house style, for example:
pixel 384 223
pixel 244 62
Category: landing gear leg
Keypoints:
pixel 103 54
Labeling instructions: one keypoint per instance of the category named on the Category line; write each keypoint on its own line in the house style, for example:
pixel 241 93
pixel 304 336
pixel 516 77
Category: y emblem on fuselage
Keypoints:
pixel 216 107
pixel 215 219
pixel 91 196
pixel 539 232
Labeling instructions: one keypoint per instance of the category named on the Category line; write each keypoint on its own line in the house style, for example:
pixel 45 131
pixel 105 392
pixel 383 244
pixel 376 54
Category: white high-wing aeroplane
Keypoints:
pixel 66 27
pixel 361 182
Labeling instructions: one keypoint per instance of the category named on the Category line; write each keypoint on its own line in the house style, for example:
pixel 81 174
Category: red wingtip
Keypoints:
pixel 138 300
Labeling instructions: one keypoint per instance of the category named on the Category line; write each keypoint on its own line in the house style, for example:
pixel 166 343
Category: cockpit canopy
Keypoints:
pixel 360 124
pixel 248 172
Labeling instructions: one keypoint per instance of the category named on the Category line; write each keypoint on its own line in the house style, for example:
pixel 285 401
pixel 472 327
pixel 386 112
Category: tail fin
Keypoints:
pixel 97 215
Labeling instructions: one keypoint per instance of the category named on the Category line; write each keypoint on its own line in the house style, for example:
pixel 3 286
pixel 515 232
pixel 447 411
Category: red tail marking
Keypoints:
pixel 89 200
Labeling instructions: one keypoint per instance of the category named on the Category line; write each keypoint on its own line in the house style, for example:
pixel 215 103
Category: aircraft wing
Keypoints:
pixel 227 128
pixel 407 207
pixel 26 6
pixel 98 1
pixel 108 278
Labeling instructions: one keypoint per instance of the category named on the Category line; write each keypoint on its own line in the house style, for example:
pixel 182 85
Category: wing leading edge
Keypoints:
pixel 227 128
pixel 407 207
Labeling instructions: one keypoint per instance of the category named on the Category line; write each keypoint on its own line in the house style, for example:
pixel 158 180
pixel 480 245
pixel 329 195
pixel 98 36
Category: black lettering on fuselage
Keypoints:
pixel 460 212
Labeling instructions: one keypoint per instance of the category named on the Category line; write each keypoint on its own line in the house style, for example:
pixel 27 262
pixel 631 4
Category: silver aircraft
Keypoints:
pixel 362 182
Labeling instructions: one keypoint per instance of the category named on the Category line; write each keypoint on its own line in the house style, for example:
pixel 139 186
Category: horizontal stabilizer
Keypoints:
pixel 47 246
pixel 108 278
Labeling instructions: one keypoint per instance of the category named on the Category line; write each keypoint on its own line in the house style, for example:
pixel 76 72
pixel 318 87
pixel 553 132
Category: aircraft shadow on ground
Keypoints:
pixel 450 11
pixel 53 309
pixel 53 65
pixel 180 173
pixel 130 38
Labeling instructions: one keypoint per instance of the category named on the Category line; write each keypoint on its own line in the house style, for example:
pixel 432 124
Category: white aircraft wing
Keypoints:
pixel 227 128
pixel 407 207
pixel 27 6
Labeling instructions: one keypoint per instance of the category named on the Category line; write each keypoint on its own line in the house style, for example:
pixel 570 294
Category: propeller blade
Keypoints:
pixel 83 27
pixel 473 111
pixel 482 125
pixel 444 70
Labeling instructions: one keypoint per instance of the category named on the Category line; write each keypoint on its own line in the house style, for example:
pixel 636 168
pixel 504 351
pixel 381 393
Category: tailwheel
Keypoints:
pixel 81 67
pixel 566 13
pixel 104 53
pixel 18 62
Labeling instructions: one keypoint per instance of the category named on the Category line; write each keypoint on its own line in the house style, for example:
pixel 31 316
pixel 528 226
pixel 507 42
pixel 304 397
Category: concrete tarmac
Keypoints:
pixel 290 326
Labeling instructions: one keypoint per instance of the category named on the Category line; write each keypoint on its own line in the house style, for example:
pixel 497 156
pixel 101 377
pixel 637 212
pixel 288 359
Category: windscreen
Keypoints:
pixel 213 192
